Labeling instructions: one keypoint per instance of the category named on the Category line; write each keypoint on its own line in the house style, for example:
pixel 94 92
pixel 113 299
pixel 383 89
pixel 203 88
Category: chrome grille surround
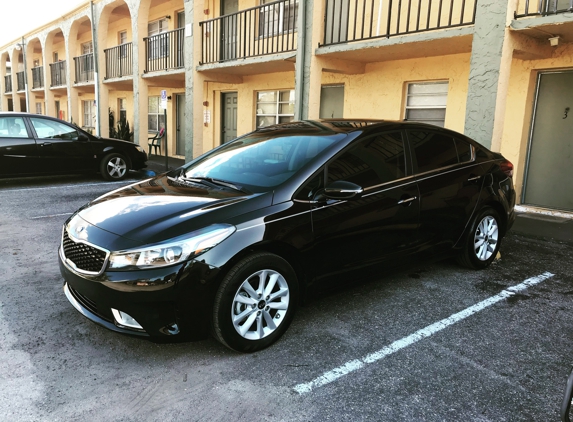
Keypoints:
pixel 81 256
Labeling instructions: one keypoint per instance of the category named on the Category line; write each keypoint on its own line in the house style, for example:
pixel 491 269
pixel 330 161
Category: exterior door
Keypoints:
pixel 332 102
pixel 229 102
pixel 59 147
pixel 379 227
pixel 180 39
pixel 229 29
pixel 18 152
pixel 450 183
pixel 549 173
pixel 180 146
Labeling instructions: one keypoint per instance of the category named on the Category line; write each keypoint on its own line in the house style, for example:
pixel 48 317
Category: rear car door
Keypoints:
pixel 450 181
pixel 18 152
pixel 382 224
pixel 60 147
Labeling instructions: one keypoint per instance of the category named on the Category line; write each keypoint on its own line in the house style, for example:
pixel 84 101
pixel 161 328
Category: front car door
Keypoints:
pixel 450 181
pixel 60 147
pixel 18 152
pixel 379 227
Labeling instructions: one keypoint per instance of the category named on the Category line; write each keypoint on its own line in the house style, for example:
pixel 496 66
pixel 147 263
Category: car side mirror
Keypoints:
pixel 342 190
pixel 83 137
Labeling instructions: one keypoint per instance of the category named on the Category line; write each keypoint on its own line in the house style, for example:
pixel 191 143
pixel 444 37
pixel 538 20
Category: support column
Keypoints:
pixel 490 69
pixel 140 85
pixel 15 96
pixel 194 82
pixel 47 55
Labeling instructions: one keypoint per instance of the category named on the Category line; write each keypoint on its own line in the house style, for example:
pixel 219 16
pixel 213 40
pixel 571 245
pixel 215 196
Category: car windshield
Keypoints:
pixel 260 160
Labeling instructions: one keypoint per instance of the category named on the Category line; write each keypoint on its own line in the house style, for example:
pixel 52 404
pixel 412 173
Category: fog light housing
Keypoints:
pixel 125 320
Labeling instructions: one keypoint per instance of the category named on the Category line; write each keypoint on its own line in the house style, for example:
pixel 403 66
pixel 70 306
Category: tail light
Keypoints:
pixel 506 167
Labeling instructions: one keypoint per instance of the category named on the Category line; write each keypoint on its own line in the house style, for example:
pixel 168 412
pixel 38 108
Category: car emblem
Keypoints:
pixel 81 232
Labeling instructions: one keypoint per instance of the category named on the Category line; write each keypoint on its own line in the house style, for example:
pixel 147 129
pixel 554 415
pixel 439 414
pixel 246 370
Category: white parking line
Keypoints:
pixel 126 182
pixel 50 216
pixel 432 329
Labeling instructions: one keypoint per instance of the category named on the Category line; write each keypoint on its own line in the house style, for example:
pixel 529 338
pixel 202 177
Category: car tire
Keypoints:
pixel 255 302
pixel 114 167
pixel 484 240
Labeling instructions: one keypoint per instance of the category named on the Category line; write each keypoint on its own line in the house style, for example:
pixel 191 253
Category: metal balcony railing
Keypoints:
pixel 165 51
pixel 7 84
pixel 84 68
pixel 58 74
pixel 355 20
pixel 21 81
pixel 119 61
pixel 266 29
pixel 542 7
pixel 38 77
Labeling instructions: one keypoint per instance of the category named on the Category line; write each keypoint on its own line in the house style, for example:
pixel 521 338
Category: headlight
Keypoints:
pixel 171 251
pixel 137 147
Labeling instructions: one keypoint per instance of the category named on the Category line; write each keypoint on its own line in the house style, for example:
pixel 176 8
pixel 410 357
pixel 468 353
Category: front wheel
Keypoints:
pixel 113 167
pixel 255 302
pixel 483 240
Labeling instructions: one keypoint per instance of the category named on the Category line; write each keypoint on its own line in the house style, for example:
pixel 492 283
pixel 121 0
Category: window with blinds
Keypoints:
pixel 426 102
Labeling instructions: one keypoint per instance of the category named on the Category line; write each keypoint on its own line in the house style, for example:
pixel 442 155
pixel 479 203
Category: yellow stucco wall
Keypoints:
pixel 380 92
pixel 246 94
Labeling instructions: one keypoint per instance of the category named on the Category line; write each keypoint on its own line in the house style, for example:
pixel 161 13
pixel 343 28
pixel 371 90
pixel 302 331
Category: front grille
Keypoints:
pixel 87 303
pixel 85 257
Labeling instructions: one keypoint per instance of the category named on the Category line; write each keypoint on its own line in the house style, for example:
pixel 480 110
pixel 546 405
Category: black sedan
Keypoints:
pixel 231 242
pixel 32 144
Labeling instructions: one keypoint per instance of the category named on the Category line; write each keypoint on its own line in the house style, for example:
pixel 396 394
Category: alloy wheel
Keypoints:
pixel 260 304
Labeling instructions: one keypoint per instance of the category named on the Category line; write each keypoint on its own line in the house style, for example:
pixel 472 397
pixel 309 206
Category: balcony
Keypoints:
pixel 164 51
pixel 119 61
pixel 543 7
pixel 7 84
pixel 347 21
pixel 38 77
pixel 84 66
pixel 58 74
pixel 258 31
pixel 21 81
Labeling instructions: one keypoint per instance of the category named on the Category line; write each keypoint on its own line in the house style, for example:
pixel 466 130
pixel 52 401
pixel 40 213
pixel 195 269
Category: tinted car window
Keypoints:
pixel 307 192
pixel 464 150
pixel 12 127
pixel 50 129
pixel 373 161
pixel 432 150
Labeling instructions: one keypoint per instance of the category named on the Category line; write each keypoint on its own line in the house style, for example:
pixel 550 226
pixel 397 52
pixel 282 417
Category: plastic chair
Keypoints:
pixel 155 141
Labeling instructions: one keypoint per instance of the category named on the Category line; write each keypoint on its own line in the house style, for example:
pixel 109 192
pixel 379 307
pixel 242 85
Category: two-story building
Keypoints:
pixel 500 71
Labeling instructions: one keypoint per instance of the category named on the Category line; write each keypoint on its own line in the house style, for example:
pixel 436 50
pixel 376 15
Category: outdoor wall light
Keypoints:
pixel 554 41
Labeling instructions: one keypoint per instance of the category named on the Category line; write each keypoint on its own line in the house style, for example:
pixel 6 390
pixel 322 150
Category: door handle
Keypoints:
pixel 472 178
pixel 47 144
pixel 407 200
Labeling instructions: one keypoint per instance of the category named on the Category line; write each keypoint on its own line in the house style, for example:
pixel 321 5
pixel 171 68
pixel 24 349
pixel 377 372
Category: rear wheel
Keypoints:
pixel 113 167
pixel 483 241
pixel 255 303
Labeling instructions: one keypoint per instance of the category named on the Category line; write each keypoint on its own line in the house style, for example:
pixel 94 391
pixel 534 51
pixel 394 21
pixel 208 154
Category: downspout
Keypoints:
pixel 96 65
pixel 300 62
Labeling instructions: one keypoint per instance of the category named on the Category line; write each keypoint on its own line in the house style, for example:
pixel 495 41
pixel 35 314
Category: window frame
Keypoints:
pixel 158 115
pixel 277 115
pixel 158 48
pixel 409 95
pixel 89 114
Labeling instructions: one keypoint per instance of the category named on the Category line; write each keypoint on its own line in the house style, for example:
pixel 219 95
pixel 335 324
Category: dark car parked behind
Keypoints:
pixel 32 144
pixel 229 243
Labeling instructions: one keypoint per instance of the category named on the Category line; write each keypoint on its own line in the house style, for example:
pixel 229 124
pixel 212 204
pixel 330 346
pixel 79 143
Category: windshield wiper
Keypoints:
pixel 215 183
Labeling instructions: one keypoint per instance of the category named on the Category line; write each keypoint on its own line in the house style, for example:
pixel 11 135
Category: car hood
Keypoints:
pixel 161 208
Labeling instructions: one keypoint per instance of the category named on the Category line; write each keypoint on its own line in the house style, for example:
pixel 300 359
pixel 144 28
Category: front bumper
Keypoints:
pixel 171 303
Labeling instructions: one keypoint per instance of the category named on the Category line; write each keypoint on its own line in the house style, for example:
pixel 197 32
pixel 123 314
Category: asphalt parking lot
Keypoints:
pixel 432 342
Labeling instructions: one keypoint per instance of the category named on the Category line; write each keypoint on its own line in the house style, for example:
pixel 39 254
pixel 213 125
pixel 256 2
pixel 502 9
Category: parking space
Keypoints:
pixel 432 342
